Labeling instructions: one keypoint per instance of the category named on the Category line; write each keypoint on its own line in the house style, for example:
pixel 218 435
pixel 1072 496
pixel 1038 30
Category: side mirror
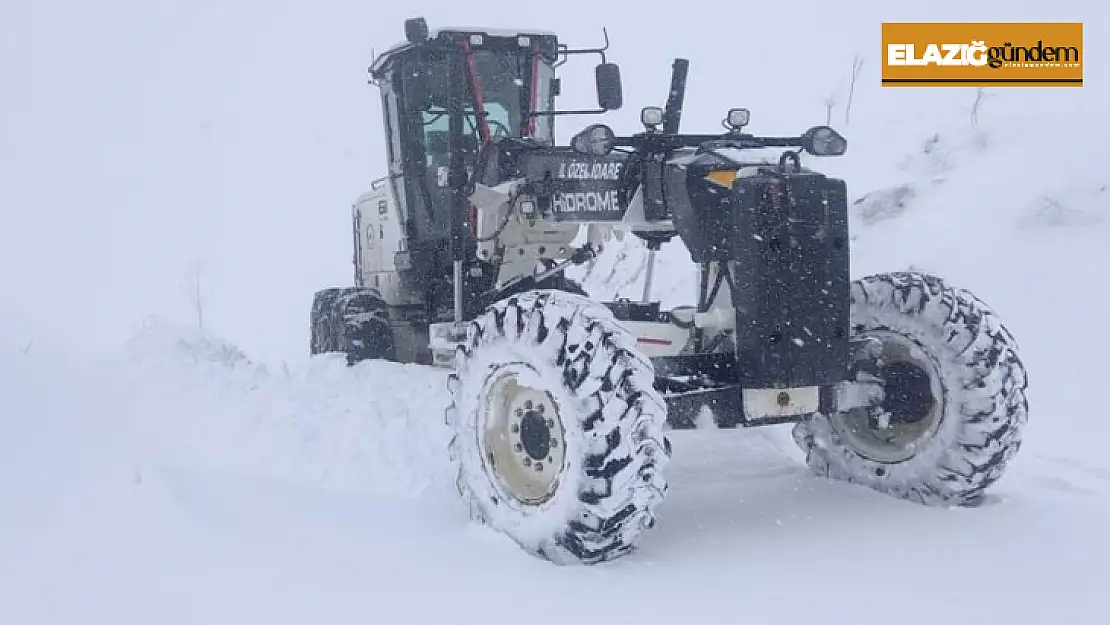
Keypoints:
pixel 824 141
pixel 595 140
pixel 609 93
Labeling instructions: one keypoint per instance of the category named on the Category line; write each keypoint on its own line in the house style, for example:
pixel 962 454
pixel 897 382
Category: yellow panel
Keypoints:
pixel 722 177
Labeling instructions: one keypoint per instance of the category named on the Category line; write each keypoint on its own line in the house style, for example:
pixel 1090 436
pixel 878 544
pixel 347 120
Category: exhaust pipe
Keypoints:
pixel 672 114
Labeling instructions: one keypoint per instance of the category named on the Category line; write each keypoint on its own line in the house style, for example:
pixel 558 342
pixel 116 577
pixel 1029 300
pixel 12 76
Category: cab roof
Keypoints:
pixel 447 34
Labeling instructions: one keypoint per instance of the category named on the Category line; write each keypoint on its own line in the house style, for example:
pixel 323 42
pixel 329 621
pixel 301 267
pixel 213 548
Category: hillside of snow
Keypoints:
pixel 157 466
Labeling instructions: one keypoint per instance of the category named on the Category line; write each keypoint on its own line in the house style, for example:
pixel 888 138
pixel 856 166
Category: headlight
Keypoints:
pixel 738 118
pixel 595 139
pixel 651 116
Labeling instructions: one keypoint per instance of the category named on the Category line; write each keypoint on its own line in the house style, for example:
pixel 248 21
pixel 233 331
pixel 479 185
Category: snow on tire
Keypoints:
pixel 558 430
pixel 954 400
pixel 322 331
pixel 353 320
pixel 365 320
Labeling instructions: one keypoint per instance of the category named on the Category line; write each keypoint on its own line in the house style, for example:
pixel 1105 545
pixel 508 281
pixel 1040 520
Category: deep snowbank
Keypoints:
pixel 374 428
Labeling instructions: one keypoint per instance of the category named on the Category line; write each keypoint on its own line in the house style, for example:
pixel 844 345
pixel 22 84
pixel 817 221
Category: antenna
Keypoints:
pixel 373 58
pixel 565 51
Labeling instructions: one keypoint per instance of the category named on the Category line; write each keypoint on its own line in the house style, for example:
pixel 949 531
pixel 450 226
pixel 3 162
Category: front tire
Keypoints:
pixel 558 430
pixel 953 404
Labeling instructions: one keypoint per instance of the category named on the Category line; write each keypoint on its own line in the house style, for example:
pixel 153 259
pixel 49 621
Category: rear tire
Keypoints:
pixel 353 321
pixel 322 332
pixel 954 406
pixel 558 431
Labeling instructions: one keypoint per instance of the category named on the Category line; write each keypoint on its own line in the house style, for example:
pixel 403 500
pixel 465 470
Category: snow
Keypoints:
pixel 151 473
pixel 115 511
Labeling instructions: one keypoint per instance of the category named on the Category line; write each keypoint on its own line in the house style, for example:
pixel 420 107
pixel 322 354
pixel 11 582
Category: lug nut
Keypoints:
pixel 550 423
pixel 528 405
pixel 554 443
pixel 539 467
pixel 515 428
pixel 527 461
pixel 518 448
pixel 539 408
pixel 519 413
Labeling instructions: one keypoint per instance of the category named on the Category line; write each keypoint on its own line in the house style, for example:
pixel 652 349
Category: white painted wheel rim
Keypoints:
pixel 521 435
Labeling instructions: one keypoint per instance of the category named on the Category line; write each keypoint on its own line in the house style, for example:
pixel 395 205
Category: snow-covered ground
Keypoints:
pixel 151 474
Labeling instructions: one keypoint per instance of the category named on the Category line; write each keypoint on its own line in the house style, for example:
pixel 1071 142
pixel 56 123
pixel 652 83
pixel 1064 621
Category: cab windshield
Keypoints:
pixel 503 86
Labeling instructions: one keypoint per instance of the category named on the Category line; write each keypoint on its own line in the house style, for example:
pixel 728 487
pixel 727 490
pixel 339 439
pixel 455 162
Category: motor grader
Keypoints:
pixel 561 405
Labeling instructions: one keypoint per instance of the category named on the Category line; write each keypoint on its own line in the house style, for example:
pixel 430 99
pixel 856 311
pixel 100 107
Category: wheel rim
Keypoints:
pixel 912 409
pixel 523 439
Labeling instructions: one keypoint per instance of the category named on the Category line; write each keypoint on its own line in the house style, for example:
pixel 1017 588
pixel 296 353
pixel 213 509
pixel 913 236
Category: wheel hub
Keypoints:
pixel 908 397
pixel 535 434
